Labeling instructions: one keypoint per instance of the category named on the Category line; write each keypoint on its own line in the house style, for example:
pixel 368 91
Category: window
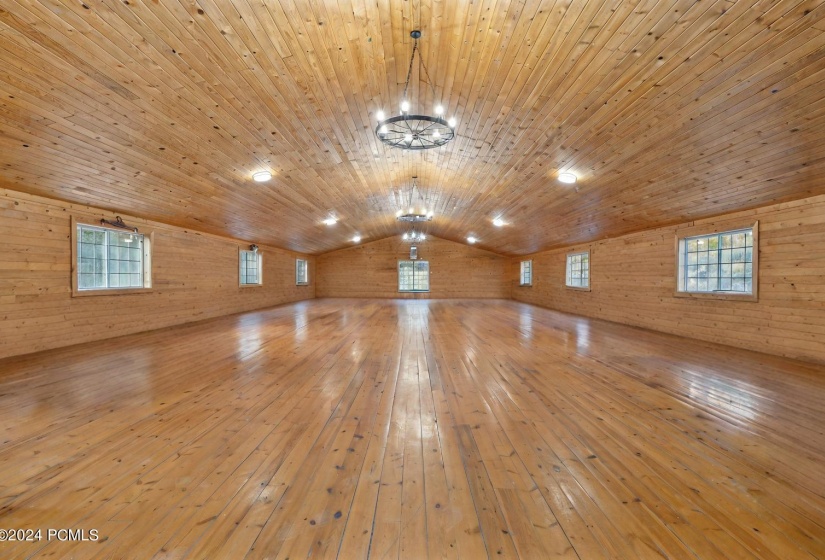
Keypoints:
pixel 251 268
pixel 719 263
pixel 526 274
pixel 578 270
pixel 301 272
pixel 111 260
pixel 413 276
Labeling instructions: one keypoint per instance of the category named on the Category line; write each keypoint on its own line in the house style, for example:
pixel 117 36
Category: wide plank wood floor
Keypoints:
pixel 412 429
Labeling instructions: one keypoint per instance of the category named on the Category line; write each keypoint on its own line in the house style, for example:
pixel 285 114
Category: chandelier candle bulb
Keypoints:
pixel 380 115
pixel 452 122
pixel 439 110
pixel 405 106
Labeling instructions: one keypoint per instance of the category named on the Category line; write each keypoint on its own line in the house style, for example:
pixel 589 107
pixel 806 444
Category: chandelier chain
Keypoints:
pixel 426 74
pixel 409 70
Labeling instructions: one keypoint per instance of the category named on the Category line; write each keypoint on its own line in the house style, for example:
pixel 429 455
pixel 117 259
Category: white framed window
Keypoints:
pixel 525 277
pixel 578 270
pixel 718 264
pixel 251 268
pixel 110 260
pixel 413 276
pixel 301 272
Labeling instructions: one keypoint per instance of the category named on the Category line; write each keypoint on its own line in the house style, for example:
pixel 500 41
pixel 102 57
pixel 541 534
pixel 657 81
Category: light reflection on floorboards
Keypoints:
pixel 412 429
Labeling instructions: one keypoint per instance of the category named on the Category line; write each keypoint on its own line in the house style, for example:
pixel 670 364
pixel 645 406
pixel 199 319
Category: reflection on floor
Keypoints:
pixel 408 429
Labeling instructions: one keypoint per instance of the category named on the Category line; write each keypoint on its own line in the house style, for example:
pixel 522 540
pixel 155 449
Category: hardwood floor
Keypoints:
pixel 412 429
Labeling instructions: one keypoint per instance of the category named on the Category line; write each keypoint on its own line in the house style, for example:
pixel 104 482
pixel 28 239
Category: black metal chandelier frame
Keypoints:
pixel 414 236
pixel 415 132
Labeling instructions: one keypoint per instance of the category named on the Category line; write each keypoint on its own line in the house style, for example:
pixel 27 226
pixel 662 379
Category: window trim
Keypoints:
pixel 398 276
pixel 148 249
pixel 306 267
pixel 260 282
pixel 589 275
pixel 696 231
pixel 522 284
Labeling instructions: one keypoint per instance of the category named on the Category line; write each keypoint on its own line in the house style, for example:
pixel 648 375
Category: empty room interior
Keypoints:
pixel 412 279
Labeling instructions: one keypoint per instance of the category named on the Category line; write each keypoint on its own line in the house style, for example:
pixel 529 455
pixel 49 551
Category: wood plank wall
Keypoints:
pixel 633 283
pixel 195 276
pixel 370 270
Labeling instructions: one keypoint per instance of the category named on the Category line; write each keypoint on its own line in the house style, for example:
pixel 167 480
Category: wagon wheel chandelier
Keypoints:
pixel 415 132
pixel 414 215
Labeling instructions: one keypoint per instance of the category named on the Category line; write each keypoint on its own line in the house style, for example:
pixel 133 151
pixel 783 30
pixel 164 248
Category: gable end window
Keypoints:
pixel 526 273
pixel 578 271
pixel 413 276
pixel 109 260
pixel 722 264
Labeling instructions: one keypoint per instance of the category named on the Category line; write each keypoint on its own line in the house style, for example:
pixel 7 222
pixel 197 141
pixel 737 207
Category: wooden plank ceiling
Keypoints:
pixel 667 110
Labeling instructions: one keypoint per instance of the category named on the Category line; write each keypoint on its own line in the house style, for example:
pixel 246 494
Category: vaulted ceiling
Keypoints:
pixel 667 111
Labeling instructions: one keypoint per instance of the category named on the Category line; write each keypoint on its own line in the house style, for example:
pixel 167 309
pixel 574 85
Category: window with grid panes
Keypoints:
pixel 717 263
pixel 413 276
pixel 526 273
pixel 111 260
pixel 578 270
pixel 301 272
pixel 250 268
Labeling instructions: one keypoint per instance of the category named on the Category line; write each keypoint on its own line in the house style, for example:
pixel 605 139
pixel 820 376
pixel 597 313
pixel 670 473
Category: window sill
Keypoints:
pixel 250 285
pixel 525 285
pixel 733 296
pixel 302 283
pixel 111 292
pixel 578 288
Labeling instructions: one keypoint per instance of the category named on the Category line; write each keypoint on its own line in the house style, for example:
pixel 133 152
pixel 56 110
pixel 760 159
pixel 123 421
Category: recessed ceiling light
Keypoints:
pixel 569 178
pixel 356 239
pixel 471 240
pixel 498 222
pixel 331 221
pixel 261 176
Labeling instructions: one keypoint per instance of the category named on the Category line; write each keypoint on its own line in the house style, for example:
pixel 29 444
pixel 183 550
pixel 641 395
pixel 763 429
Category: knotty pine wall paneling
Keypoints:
pixel 194 277
pixel 632 282
pixel 371 270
